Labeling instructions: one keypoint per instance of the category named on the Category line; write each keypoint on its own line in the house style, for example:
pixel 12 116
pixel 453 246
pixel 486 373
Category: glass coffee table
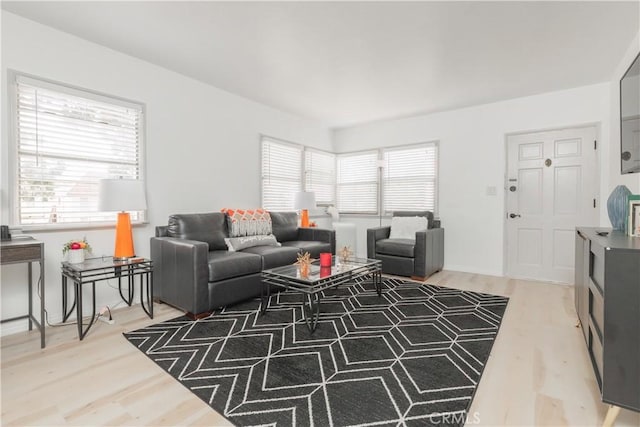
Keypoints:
pixel 318 280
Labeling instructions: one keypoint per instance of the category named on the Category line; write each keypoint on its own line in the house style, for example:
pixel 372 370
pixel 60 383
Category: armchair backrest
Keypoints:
pixel 427 214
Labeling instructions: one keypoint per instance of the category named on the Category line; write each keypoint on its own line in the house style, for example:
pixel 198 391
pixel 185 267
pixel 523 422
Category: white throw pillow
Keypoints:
pixel 405 227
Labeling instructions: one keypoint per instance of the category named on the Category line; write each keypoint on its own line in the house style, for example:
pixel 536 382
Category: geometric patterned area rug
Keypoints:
pixel 413 356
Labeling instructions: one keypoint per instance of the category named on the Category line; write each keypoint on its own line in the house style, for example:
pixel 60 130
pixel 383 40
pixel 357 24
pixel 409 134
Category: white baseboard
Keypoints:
pixel 19 326
pixel 473 270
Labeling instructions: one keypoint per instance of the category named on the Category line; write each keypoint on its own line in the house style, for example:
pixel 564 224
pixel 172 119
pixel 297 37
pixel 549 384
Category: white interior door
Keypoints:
pixel 551 188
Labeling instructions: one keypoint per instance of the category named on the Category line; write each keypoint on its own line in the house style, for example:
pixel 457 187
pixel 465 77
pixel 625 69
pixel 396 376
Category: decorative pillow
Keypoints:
pixel 238 243
pixel 248 222
pixel 405 227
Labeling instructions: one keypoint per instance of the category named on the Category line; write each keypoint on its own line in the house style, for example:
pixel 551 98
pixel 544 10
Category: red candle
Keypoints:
pixel 325 259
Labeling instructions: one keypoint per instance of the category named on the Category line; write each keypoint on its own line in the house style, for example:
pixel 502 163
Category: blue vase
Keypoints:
pixel 617 207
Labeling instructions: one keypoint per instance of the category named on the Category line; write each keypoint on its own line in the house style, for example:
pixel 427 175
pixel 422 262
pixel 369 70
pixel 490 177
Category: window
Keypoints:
pixel 357 183
pixel 366 182
pixel 320 175
pixel 409 178
pixel 68 139
pixel 281 174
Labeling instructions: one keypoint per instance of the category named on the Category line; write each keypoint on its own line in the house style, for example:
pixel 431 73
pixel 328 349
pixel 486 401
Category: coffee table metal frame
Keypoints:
pixel 311 287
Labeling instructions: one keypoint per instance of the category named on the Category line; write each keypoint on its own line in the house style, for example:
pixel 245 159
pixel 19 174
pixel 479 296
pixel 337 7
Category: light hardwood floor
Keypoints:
pixel 538 372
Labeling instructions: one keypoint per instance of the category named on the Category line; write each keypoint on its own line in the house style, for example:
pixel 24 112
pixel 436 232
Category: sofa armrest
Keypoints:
pixel 436 224
pixel 319 235
pixel 373 235
pixel 429 252
pixel 181 273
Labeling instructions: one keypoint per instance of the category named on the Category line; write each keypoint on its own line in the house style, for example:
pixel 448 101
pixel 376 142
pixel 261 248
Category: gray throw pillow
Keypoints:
pixel 235 244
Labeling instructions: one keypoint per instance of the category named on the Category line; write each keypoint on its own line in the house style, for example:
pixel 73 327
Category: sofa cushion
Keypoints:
pixel 405 227
pixel 397 247
pixel 274 256
pixel 248 222
pixel 204 227
pixel 427 214
pixel 226 265
pixel 314 248
pixel 239 243
pixel 285 225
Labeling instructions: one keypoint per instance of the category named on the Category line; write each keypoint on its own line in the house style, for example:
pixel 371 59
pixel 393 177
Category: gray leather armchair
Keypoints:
pixel 418 258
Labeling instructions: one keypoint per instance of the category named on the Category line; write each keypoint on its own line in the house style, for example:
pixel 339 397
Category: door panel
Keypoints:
pixel 563 249
pixel 530 247
pixel 567 190
pixel 568 147
pixel 531 151
pixel 530 193
pixel 555 180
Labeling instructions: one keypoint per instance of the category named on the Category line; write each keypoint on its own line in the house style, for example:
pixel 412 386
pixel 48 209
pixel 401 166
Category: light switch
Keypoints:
pixel 491 190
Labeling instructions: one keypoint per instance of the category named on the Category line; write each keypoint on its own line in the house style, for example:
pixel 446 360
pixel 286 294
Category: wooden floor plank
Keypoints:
pixel 538 372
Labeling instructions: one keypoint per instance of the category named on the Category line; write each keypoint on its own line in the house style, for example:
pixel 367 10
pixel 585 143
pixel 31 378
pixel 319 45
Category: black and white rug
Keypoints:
pixel 413 356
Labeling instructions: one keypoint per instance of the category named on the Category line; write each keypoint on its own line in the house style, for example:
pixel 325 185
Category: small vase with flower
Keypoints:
pixel 75 250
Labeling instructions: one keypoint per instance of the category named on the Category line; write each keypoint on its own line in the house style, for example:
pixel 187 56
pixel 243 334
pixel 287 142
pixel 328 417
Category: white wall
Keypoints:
pixel 472 157
pixel 632 181
pixel 202 144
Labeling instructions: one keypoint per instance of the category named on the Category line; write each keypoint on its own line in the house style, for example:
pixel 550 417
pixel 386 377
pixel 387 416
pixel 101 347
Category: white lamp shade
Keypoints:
pixel 121 195
pixel 304 200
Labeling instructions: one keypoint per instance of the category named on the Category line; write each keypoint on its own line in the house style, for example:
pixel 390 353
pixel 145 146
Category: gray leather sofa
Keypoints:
pixel 194 271
pixel 418 258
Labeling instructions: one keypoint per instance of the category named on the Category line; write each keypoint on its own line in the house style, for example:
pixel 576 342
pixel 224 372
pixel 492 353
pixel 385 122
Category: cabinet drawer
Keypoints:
pixel 596 309
pixel 595 350
pixel 596 268
pixel 20 253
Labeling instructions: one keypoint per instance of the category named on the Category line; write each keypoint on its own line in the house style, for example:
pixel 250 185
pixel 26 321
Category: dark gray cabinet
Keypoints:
pixel 582 281
pixel 607 299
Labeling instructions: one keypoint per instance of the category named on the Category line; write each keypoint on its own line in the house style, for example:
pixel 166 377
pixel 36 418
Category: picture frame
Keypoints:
pixel 633 218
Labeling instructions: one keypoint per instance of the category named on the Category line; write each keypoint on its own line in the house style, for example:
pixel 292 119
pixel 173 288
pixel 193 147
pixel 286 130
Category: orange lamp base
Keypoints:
pixel 124 237
pixel 304 219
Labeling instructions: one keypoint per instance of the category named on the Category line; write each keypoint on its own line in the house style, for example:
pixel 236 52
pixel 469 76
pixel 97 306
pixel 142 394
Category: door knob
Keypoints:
pixel 512 215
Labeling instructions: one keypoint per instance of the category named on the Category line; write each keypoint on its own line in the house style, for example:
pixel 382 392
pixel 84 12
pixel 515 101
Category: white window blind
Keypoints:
pixel 409 178
pixel 67 140
pixel 357 182
pixel 320 175
pixel 281 174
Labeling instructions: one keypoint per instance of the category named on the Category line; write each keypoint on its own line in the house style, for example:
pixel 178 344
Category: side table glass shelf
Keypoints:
pixel 94 270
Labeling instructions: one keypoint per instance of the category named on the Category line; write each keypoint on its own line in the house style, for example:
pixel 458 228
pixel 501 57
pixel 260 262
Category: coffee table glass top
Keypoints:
pixel 317 273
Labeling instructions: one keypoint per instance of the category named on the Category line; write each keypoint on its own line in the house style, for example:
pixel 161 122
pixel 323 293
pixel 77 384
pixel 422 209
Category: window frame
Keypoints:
pixel 335 172
pixel 378 183
pixel 436 178
pixel 303 171
pixel 300 159
pixel 13 154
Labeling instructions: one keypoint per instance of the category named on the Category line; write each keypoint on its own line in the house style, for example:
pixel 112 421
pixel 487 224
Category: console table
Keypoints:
pixel 94 270
pixel 607 299
pixel 27 250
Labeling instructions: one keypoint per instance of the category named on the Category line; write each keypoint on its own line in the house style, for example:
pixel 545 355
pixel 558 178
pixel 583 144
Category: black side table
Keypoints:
pixel 93 270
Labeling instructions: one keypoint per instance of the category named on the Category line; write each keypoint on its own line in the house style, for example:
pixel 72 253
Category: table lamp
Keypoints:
pixel 304 200
pixel 122 195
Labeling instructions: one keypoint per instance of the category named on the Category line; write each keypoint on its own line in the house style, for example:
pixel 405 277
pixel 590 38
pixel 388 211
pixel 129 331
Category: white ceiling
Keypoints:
pixel 345 63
